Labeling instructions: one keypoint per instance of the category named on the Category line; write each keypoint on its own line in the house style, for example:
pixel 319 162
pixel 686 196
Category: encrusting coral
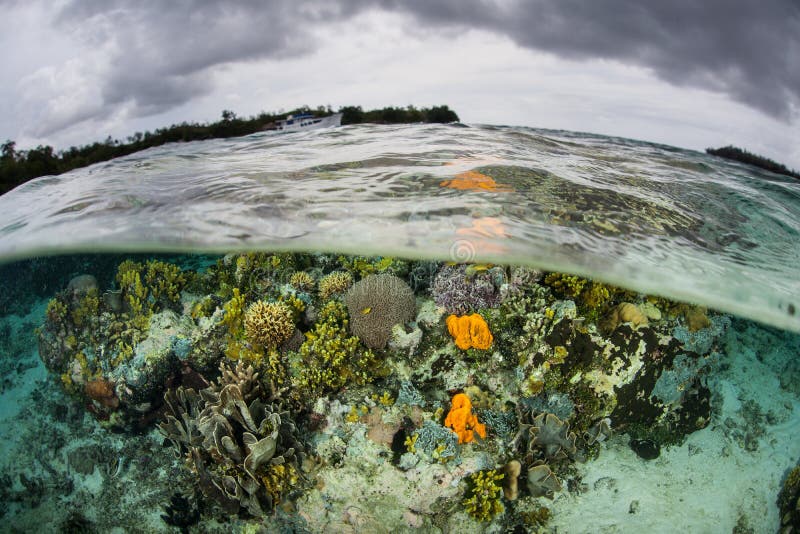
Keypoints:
pixel 470 331
pixel 376 304
pixel 268 324
pixel 462 421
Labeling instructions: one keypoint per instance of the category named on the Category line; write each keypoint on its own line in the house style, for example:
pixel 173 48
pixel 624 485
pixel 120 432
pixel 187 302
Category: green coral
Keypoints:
pixel 87 309
pixel 483 495
pixel 565 285
pixel 330 358
pixel 361 266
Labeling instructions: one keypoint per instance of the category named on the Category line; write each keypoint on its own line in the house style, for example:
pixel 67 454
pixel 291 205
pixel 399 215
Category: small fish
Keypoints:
pixel 365 311
pixel 476 268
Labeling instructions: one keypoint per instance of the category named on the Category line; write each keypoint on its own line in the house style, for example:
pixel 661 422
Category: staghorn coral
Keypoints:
pixel 460 293
pixel 462 421
pixel 334 283
pixel 243 447
pixel 268 324
pixel 483 494
pixel 302 281
pixel 470 331
pixel 376 304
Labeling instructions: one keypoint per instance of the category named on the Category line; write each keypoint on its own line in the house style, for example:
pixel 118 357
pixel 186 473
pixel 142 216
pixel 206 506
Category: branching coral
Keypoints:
pixel 483 495
pixel 268 324
pixel 330 358
pixel 470 331
pixel 462 421
pixel 459 292
pixel 377 303
pixel 302 281
pixel 334 283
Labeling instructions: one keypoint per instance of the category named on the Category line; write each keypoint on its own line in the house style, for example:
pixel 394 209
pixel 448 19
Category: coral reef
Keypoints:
pixel 470 331
pixel 462 421
pixel 376 304
pixel 789 501
pixel 538 375
pixel 330 358
pixel 243 447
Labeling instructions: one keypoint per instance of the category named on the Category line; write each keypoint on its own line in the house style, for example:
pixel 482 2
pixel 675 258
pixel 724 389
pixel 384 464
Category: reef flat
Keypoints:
pixel 299 392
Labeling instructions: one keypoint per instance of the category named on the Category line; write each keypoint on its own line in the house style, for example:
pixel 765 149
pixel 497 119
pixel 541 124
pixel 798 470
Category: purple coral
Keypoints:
pixel 459 292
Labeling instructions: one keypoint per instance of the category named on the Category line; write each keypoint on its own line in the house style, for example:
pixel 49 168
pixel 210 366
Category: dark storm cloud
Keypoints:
pixel 746 48
pixel 162 52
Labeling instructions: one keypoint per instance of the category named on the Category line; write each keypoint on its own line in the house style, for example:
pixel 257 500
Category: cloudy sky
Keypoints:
pixel 691 73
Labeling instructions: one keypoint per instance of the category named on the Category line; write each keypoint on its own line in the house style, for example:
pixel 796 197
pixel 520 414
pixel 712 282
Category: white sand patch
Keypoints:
pixel 708 483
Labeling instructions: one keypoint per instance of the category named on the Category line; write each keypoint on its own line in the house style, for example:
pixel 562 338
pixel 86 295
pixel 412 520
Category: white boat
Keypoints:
pixel 307 121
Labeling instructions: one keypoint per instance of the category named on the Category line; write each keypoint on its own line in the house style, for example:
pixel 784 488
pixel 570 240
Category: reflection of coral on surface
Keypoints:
pixel 470 331
pixel 484 233
pixel 462 421
pixel 474 181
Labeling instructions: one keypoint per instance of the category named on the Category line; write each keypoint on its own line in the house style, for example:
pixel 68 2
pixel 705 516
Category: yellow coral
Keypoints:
pixel 483 503
pixel 470 331
pixel 334 283
pixel 302 280
pixel 462 421
pixel 268 324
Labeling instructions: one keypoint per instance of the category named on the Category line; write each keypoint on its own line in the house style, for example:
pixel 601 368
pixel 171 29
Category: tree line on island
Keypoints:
pixel 743 156
pixel 19 166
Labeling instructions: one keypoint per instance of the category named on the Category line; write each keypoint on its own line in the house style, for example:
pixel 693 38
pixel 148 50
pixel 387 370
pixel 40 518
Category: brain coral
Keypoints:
pixel 377 303
pixel 268 324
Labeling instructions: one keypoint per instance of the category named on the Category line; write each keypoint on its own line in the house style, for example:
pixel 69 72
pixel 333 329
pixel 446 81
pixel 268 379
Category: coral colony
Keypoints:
pixel 298 390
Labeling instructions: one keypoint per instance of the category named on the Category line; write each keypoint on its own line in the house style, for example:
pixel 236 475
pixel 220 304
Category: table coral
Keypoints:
pixel 462 421
pixel 470 331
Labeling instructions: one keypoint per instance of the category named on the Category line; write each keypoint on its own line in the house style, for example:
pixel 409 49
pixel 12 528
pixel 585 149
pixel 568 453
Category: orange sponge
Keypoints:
pixel 462 421
pixel 470 331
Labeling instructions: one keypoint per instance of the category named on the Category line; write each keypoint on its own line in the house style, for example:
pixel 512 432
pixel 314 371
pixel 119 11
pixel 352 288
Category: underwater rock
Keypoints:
pixel 646 449
pixel 82 285
pixel 141 378
pixel 377 303
pixel 789 502
pixel 403 341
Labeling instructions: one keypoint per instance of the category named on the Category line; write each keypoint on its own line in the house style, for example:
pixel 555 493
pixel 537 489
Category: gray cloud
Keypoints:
pixel 161 54
pixel 749 50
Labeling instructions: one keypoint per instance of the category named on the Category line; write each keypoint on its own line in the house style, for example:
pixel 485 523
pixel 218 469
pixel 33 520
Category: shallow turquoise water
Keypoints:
pixel 649 217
